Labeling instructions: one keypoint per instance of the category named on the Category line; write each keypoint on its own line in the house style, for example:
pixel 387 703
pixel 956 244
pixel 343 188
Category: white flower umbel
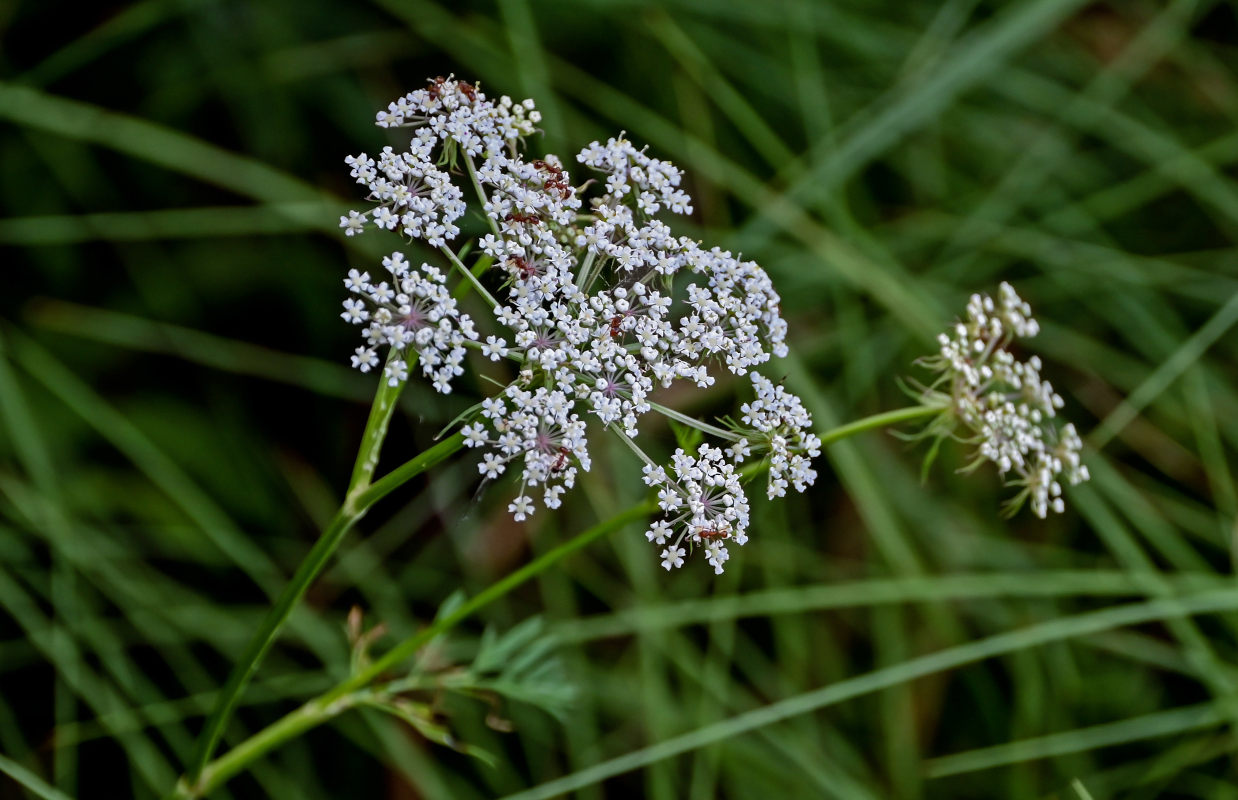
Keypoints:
pixel 1002 405
pixel 704 504
pixel 596 302
pixel 539 431
pixel 414 311
pixel 779 424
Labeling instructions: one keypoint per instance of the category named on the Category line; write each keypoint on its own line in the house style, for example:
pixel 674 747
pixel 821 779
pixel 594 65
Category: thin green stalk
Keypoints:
pixel 481 193
pixel 633 446
pixel 882 420
pixel 693 422
pixel 408 470
pixel 360 496
pixel 350 692
pixel 469 276
pixel 582 279
pixel 375 432
pixel 347 693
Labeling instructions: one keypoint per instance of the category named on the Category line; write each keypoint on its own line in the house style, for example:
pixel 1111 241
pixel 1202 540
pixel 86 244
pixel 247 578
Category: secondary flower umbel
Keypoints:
pixel 599 305
pixel 1002 405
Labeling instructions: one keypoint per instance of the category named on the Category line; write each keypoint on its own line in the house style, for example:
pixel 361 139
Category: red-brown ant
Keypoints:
pixel 555 182
pixel 526 269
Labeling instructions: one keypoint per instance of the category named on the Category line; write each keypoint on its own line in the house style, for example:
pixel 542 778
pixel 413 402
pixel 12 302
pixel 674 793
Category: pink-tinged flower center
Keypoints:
pixel 544 443
pixel 416 319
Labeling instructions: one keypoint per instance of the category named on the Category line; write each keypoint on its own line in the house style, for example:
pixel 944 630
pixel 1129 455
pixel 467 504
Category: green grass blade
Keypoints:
pixel 951 658
pixel 1174 722
pixel 30 781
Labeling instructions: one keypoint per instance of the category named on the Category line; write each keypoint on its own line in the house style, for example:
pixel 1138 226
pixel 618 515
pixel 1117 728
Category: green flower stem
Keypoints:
pixel 360 496
pixel 693 422
pixel 357 688
pixel 479 268
pixel 469 276
pixel 410 469
pixel 362 493
pixel 375 431
pixel 481 193
pixel 882 420
pixel 347 515
pixel 582 279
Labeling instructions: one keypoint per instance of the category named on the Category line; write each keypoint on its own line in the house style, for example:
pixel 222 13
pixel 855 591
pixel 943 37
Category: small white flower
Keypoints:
pixel 474 435
pixel 658 531
pixel 491 466
pixel 521 507
pixel 353 224
pixel 396 372
pixel 364 359
pixel 355 311
pixel 494 348
pixel 672 557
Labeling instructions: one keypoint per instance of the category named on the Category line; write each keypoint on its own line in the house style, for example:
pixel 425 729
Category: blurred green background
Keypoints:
pixel 178 420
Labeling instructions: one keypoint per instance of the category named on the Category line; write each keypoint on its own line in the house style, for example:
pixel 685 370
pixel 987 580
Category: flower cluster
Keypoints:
pixel 781 426
pixel 540 430
pixel 1003 404
pixel 415 311
pixel 655 182
pixel 704 503
pixel 412 193
pixel 599 306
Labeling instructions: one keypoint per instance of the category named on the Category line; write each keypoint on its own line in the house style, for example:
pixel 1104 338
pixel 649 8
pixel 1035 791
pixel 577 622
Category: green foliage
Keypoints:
pixel 177 425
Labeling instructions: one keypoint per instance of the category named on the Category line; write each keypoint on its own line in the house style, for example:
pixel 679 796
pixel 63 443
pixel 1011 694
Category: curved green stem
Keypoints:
pixel 348 693
pixel 264 638
pixel 375 431
pixel 410 469
pixel 693 422
pixel 882 420
pixel 360 496
pixel 351 691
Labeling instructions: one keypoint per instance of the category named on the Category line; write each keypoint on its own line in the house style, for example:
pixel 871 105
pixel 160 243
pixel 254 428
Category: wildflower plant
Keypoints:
pixel 597 305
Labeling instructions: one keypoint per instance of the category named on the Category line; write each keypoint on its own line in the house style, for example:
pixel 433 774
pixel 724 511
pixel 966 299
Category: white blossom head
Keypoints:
pixel 597 305
pixel 704 506
pixel 1002 405
pixel 411 312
